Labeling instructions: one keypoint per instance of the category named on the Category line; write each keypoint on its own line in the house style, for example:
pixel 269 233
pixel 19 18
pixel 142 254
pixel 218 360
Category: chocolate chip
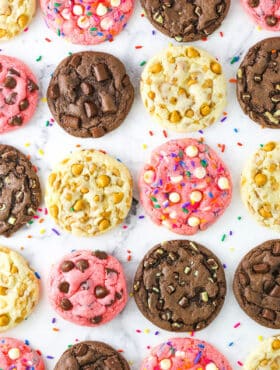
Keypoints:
pixel 261 268
pixel 1 67
pixel 101 291
pixel 11 99
pixel 24 104
pixel 97 319
pixel 67 266
pixel 10 82
pixel 101 255
pixel 107 102
pixel 118 296
pixel 253 3
pixel 13 71
pixel 111 271
pixel 31 86
pixel 82 265
pixel 86 88
pixel 101 72
pixel 15 121
pixel 170 289
pixel 65 304
pixel 183 302
pixel 268 314
pixel 64 287
pixel 275 292
pixel 90 109
pixel 271 20
pixel 70 121
pixel 81 349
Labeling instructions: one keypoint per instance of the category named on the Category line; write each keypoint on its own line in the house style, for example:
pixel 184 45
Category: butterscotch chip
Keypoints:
pixel 266 356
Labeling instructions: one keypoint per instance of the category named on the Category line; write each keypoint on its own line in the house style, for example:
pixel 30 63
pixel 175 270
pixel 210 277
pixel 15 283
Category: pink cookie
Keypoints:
pixel 266 13
pixel 185 186
pixel 87 288
pixel 87 22
pixel 18 93
pixel 15 355
pixel 183 354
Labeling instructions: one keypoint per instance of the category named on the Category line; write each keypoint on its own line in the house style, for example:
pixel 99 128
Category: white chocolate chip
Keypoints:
pixel 14 353
pixel 191 151
pixel 149 176
pixel 176 179
pixel 211 366
pixel 223 183
pixel 165 223
pixel 78 9
pixel 180 354
pixel 193 221
pixel 199 172
pixel 101 10
pixel 196 196
pixel 174 197
pixel 66 14
pixel 83 22
pixel 173 215
pixel 115 2
pixel 165 364
pixel 106 23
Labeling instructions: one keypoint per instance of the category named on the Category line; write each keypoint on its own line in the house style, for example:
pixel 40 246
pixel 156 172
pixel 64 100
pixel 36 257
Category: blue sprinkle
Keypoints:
pixel 198 357
pixel 153 32
pixel 27 342
pixel 231 344
pixel 210 195
pixel 200 345
pixel 223 119
pixel 37 275
pixel 235 129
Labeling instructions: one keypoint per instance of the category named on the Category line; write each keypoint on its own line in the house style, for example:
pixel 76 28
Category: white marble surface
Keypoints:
pixel 127 143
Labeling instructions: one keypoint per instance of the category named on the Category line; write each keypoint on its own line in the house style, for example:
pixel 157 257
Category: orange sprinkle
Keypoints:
pixel 55 329
pixel 138 47
pixel 128 258
pixel 273 51
pixel 233 80
pixel 239 144
pixel 78 145
pixel 120 350
pixel 164 133
pixel 47 39
pixel 29 236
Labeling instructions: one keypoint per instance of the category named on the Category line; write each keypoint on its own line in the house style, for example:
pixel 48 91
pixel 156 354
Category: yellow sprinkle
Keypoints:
pixel 41 152
pixel 144 146
pixel 260 338
pixel 131 294
pixel 232 249
pixel 27 144
pixel 259 28
pixel 42 231
pixel 146 331
pixel 43 99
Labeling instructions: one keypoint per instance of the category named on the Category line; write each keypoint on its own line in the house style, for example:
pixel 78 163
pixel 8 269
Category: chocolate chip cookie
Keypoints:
pixel 20 192
pixel 90 94
pixel 180 286
pixel 256 284
pixel 258 83
pixel 186 20
pixel 91 355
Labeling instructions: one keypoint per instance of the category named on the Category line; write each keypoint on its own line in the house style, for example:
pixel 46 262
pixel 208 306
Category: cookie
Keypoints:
pixel 185 353
pixel 265 13
pixel 15 16
pixel 88 23
pixel 91 354
pixel 256 284
pixel 266 356
pixel 20 190
pixel 19 289
pixel 87 288
pixel 258 83
pixel 260 185
pixel 180 286
pixel 183 88
pixel 18 93
pixel 185 186
pixel 186 21
pixel 16 355
pixel 89 193
pixel 90 94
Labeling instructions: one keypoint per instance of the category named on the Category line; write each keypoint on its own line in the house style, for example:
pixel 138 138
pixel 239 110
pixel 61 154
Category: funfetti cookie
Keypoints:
pixel 16 355
pixel 89 22
pixel 15 16
pixel 87 288
pixel 90 94
pixel 186 21
pixel 256 284
pixel 184 88
pixel 266 13
pixel 260 185
pixel 266 356
pixel 19 290
pixel 185 186
pixel 89 193
pixel 18 93
pixel 258 83
pixel 185 353
pixel 180 286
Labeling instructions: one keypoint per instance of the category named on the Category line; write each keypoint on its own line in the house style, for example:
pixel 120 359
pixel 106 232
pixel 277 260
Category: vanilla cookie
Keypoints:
pixel 260 185
pixel 184 88
pixel 266 356
pixel 89 192
pixel 19 289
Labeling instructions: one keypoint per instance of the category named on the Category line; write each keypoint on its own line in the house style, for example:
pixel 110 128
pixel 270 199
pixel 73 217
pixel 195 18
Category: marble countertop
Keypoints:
pixel 46 144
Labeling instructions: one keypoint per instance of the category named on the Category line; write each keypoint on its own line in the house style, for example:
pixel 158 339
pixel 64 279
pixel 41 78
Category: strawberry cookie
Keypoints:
pixel 185 353
pixel 265 13
pixel 87 22
pixel 87 288
pixel 185 186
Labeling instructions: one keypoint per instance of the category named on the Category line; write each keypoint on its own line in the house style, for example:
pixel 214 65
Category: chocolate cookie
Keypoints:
pixel 180 286
pixel 256 284
pixel 20 192
pixel 186 20
pixel 258 83
pixel 90 94
pixel 91 355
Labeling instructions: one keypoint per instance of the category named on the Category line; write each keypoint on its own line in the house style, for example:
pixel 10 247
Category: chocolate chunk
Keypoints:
pixel 183 302
pixel 271 20
pixel 275 292
pixel 15 121
pixel 101 255
pixel 67 266
pixel 253 3
pixel 11 99
pixel 64 287
pixel 91 109
pixel 24 104
pixel 54 91
pixel 10 82
pixel 82 265
pixel 65 304
pixel 107 102
pixel 101 291
pixel 97 319
pixel 261 268
pixel 97 132
pixel 32 86
pixel 13 71
pixel 86 88
pixel 100 71
pixel 118 296
pixel 276 249
pixel 70 121
pixel 268 314
pixel 81 349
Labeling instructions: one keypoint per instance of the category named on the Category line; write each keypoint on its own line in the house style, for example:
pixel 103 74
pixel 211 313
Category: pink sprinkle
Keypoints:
pixel 192 334
pixel 26 29
pixel 237 325
pixel 164 133
pixel 36 216
pixel 138 331
pixel 221 34
pixel 46 211
pixel 239 363
pixel 125 227
pixel 40 209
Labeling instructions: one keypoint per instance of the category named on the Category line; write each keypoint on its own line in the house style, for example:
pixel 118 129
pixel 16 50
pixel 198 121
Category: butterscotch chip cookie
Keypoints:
pixel 89 192
pixel 260 185
pixel 184 88
pixel 19 289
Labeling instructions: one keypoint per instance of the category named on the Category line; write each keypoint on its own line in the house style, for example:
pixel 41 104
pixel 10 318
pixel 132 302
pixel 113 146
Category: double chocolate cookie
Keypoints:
pixel 186 20
pixel 91 355
pixel 90 94
pixel 258 83
pixel 180 286
pixel 20 192
pixel 256 284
